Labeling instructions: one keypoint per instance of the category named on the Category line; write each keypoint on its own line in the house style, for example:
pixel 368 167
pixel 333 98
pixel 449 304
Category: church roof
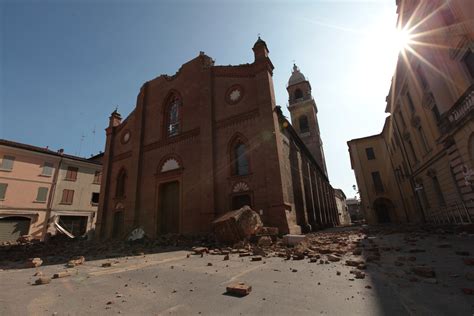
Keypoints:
pixel 296 76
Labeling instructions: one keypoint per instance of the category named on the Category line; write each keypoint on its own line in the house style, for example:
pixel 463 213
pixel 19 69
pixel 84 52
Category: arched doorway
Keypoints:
pixel 383 207
pixel 13 227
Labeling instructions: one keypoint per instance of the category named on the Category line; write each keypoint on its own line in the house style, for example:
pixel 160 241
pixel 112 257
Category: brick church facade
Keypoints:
pixel 210 139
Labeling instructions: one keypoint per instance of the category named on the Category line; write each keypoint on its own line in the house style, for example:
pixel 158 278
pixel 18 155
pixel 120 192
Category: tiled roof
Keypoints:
pixel 13 144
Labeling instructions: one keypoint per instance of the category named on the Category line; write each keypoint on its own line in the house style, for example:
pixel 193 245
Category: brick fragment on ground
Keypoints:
pixel 106 265
pixel 200 250
pixel 43 280
pixel 256 258
pixel 333 258
pixel 238 289
pixel 62 274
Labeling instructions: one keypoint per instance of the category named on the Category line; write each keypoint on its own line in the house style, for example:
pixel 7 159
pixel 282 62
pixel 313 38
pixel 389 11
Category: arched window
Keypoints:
pixel 303 122
pixel 298 94
pixel 239 157
pixel 173 116
pixel 121 183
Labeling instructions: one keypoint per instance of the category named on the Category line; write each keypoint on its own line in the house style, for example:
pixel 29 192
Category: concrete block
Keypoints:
pixel 293 240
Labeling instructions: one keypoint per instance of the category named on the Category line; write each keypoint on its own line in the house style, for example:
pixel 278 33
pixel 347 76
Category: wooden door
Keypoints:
pixel 169 207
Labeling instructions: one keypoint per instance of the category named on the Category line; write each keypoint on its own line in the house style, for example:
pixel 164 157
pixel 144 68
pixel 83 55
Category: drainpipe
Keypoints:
pixel 52 191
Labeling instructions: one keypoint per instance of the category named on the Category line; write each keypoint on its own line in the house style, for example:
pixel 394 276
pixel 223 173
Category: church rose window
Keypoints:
pixel 173 117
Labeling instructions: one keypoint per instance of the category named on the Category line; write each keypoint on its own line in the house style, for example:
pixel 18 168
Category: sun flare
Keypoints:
pixel 402 39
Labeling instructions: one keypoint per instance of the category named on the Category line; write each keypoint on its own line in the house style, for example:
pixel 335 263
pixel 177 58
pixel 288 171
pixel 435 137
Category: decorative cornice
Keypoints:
pixel 122 156
pixel 171 140
pixel 239 118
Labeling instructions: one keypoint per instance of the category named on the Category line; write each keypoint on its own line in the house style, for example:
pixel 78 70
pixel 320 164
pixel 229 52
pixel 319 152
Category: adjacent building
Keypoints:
pixel 42 191
pixel 342 209
pixel 421 166
pixel 210 139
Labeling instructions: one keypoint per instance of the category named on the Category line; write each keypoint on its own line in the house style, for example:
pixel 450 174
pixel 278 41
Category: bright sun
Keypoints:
pixel 402 39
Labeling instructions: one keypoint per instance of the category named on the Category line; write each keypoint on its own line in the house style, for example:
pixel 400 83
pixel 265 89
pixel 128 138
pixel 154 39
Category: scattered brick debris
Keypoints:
pixel 43 280
pixel 238 289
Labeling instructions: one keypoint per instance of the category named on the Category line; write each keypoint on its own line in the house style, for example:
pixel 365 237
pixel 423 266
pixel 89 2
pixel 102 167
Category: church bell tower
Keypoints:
pixel 304 117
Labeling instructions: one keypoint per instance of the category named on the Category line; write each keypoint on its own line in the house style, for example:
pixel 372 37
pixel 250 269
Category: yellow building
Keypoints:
pixel 421 167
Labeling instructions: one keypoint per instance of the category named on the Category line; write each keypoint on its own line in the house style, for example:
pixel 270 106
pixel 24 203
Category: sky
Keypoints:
pixel 65 65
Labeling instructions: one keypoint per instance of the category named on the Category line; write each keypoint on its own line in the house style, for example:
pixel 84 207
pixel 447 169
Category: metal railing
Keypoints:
pixel 455 213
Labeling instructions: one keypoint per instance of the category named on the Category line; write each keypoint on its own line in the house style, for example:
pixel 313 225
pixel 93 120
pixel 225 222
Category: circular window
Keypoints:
pixel 234 94
pixel 125 137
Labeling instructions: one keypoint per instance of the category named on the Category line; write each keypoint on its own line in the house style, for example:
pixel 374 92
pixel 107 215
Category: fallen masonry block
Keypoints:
pixel 333 258
pixel 238 289
pixel 359 275
pixel 106 265
pixel 61 275
pixel 226 257
pixel 34 262
pixel 238 225
pixel 76 261
pixel 265 241
pixel 354 263
pixel 293 240
pixel 200 250
pixel 423 271
pixel 256 258
pixel 43 280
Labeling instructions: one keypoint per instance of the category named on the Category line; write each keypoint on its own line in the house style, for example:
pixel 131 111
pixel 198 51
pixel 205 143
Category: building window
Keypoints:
pixel 421 76
pixel 68 196
pixel 47 169
pixel 95 198
pixel 370 153
pixel 412 151
pixel 7 163
pixel 400 115
pixel 172 115
pixel 411 105
pixel 298 94
pixel 121 183
pixel 3 191
pixel 436 114
pixel 71 174
pixel 469 62
pixel 438 191
pixel 377 181
pixel 42 195
pixel 424 140
pixel 97 177
pixel 303 122
pixel 241 163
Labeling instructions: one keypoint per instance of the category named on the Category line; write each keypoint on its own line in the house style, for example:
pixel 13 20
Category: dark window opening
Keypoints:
pixel 469 62
pixel 298 94
pixel 95 198
pixel 120 185
pixel 173 117
pixel 303 122
pixel 76 225
pixel 370 153
pixel 377 180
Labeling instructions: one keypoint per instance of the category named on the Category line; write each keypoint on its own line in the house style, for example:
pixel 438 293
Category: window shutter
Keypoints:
pixel 7 162
pixel 3 190
pixel 42 194
pixel 47 169
pixel 70 196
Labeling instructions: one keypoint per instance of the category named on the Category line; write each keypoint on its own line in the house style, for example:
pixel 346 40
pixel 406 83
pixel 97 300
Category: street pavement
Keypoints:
pixel 174 283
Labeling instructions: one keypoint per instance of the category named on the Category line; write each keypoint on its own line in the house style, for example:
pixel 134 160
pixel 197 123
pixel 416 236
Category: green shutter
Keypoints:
pixel 7 162
pixel 3 190
pixel 42 194
pixel 47 169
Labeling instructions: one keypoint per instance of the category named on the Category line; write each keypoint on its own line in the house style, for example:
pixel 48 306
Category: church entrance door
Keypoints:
pixel 240 200
pixel 169 208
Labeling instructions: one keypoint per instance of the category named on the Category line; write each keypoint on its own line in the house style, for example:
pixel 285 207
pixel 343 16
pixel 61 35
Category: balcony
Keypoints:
pixel 461 109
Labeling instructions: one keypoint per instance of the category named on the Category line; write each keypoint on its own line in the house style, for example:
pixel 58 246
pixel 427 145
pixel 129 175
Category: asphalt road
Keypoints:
pixel 172 284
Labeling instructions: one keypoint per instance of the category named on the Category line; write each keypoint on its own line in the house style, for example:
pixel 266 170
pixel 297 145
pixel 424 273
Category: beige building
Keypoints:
pixel 420 168
pixel 42 191
pixel 342 209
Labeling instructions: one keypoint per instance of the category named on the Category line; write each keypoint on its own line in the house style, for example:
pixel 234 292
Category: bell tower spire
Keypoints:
pixel 304 116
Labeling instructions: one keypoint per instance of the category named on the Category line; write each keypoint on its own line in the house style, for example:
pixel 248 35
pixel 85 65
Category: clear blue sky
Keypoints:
pixel 65 65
